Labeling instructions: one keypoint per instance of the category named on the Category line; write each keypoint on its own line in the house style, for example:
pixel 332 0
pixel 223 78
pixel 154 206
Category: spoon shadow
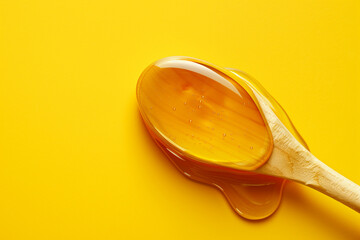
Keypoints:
pixel 326 218
pixel 293 193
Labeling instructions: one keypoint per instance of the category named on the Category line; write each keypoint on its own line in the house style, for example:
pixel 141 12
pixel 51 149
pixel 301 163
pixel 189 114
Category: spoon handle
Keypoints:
pixel 293 161
pixel 301 166
pixel 333 184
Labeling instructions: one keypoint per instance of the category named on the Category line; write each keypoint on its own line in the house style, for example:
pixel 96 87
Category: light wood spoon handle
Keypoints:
pixel 293 161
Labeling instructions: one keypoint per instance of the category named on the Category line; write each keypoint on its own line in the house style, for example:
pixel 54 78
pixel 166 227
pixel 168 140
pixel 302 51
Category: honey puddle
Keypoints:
pixel 207 121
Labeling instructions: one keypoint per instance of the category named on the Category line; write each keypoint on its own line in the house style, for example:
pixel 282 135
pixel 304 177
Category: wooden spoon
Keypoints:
pixel 289 158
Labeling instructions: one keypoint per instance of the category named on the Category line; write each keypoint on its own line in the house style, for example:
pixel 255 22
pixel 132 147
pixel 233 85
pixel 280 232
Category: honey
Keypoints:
pixel 208 122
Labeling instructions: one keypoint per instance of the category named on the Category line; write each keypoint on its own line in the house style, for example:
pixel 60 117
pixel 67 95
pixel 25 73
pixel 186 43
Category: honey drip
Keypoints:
pixel 207 121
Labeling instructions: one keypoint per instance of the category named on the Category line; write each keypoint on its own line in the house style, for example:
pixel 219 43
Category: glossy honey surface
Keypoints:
pixel 203 113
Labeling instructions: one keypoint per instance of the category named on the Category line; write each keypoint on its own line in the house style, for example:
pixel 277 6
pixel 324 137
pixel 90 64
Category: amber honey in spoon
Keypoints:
pixel 211 123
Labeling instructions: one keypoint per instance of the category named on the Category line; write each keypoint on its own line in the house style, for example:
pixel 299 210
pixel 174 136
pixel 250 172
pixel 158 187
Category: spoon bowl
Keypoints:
pixel 204 113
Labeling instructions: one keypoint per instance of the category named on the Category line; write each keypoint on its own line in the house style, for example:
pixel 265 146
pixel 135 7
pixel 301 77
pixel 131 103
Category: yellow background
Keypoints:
pixel 75 159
